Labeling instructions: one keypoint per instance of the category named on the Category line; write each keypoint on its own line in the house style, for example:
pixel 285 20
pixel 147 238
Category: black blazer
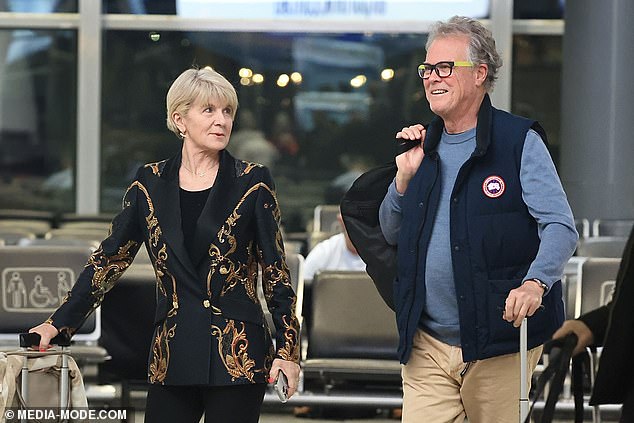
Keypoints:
pixel 209 325
pixel 613 326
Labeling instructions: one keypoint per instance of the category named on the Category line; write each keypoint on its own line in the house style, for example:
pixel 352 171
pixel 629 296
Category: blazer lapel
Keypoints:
pixel 219 205
pixel 166 197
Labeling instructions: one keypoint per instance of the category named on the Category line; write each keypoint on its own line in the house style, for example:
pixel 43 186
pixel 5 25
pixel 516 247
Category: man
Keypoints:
pixel 612 326
pixel 334 253
pixel 483 230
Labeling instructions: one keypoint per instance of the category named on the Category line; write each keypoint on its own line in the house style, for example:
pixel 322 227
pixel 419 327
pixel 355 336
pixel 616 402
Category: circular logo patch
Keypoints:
pixel 493 186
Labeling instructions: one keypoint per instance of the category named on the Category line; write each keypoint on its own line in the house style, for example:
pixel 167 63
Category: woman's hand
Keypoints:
pixel 585 337
pixel 46 332
pixel 290 369
pixel 407 163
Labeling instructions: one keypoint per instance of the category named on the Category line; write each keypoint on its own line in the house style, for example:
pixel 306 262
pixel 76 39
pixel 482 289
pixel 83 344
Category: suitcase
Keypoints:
pixel 43 380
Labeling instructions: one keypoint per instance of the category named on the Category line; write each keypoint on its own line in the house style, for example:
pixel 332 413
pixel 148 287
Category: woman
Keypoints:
pixel 207 221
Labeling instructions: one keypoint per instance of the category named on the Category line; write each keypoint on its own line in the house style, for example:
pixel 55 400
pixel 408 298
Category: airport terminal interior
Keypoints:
pixel 323 86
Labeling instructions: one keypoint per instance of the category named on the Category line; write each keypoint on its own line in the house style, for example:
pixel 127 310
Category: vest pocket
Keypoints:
pixel 500 331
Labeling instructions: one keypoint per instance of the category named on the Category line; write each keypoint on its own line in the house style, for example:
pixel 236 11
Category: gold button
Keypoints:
pixel 206 303
pixel 223 270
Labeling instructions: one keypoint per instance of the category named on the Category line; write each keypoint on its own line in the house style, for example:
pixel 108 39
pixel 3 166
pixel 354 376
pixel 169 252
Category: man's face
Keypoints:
pixel 449 97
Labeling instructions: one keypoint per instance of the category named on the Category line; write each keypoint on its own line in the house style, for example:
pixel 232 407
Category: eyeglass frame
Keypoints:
pixel 452 64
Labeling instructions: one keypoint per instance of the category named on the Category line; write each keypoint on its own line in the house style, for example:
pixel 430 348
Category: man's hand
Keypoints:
pixel 46 332
pixel 407 163
pixel 290 369
pixel 523 301
pixel 585 336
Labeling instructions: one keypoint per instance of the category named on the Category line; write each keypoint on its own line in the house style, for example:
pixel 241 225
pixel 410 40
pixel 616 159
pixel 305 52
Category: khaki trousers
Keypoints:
pixel 438 387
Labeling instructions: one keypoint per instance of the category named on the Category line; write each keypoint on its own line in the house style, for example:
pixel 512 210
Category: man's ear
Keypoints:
pixel 482 71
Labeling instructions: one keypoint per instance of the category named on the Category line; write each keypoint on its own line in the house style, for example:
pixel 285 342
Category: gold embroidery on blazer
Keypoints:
pixel 290 350
pixel 221 262
pixel 155 167
pixel 161 354
pixel 160 256
pixel 274 274
pixel 249 167
pixel 107 269
pixel 251 270
pixel 232 347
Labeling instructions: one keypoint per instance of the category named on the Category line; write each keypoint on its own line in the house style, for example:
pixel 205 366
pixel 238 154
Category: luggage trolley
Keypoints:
pixel 29 339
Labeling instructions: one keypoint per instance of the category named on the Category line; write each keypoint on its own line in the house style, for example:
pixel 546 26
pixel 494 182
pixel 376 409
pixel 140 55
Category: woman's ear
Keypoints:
pixel 178 121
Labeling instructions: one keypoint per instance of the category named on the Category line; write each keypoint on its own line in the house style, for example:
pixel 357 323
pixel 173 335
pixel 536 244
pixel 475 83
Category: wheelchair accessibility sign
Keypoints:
pixel 35 289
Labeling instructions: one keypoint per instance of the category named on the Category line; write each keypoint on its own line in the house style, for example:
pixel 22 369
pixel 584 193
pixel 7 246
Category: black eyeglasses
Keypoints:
pixel 443 69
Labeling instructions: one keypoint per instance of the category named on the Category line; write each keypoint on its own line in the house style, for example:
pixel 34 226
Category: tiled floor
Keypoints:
pixel 286 416
pixel 274 412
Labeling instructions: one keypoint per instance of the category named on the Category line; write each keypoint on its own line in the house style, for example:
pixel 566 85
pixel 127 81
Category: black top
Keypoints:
pixel 192 204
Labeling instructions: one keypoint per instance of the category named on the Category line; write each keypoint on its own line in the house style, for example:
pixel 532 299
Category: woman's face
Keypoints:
pixel 207 125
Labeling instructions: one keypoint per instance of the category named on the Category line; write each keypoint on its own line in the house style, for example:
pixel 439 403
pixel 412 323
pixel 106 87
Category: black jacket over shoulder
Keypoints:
pixel 209 324
pixel 614 325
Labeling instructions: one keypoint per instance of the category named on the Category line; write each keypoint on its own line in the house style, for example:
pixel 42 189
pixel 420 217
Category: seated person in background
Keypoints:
pixel 334 253
pixel 612 326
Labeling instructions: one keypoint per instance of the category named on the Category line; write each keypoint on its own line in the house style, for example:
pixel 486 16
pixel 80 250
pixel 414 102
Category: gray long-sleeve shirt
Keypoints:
pixel 546 201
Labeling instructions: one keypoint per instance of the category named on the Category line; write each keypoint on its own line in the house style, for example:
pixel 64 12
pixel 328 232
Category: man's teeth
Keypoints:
pixel 439 91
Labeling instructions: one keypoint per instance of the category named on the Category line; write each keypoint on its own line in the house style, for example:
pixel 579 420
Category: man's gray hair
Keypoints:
pixel 481 43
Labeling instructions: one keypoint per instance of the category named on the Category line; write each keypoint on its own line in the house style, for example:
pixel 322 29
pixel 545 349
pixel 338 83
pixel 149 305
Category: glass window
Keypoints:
pixel 536 91
pixel 39 6
pixel 317 108
pixel 538 9
pixel 140 7
pixel 37 119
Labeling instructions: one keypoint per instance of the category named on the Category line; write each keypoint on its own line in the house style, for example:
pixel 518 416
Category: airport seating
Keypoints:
pixel 612 227
pixel 34 280
pixel 592 276
pixel 34 221
pixel 13 236
pixel 583 227
pixel 601 246
pixel 325 224
pixel 352 337
pixel 91 234
pixel 325 218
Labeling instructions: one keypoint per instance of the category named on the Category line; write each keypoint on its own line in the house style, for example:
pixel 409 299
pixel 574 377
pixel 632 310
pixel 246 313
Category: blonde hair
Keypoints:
pixel 481 48
pixel 205 84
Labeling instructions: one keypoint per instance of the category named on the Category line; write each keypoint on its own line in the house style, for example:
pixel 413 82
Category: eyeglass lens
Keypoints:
pixel 442 69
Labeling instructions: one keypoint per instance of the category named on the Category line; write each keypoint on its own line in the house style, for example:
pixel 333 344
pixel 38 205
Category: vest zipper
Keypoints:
pixel 434 156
